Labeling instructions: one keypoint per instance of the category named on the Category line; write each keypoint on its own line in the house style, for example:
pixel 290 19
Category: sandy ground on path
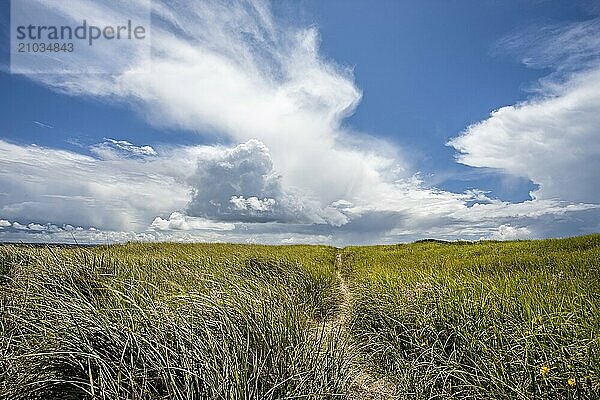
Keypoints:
pixel 365 386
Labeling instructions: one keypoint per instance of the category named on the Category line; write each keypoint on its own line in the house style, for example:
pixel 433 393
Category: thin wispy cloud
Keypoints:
pixel 42 125
pixel 566 47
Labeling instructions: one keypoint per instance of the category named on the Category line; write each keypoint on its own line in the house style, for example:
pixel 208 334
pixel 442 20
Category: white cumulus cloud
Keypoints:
pixel 554 140
pixel 114 149
pixel 252 203
pixel 507 232
pixel 180 222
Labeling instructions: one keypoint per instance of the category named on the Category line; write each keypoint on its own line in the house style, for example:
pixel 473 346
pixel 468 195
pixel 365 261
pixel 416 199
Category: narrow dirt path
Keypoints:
pixel 346 301
pixel 365 386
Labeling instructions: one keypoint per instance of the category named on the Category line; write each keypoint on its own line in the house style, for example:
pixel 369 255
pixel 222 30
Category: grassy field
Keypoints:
pixel 511 320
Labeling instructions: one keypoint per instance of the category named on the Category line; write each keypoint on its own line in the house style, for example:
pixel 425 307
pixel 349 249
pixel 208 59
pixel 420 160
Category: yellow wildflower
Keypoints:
pixel 572 382
pixel 544 370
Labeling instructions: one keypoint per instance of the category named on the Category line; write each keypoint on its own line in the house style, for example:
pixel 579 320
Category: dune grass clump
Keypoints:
pixel 518 320
pixel 169 321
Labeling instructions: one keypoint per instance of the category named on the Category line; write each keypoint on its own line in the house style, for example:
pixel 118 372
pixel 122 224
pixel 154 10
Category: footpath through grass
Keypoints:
pixel 515 320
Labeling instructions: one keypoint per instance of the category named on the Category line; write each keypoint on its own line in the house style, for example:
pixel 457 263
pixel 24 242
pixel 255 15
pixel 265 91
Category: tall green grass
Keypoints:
pixel 169 321
pixel 517 320
pixel 429 320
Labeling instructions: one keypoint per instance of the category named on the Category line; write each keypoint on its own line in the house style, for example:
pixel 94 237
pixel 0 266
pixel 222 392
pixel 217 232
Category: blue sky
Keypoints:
pixel 349 124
